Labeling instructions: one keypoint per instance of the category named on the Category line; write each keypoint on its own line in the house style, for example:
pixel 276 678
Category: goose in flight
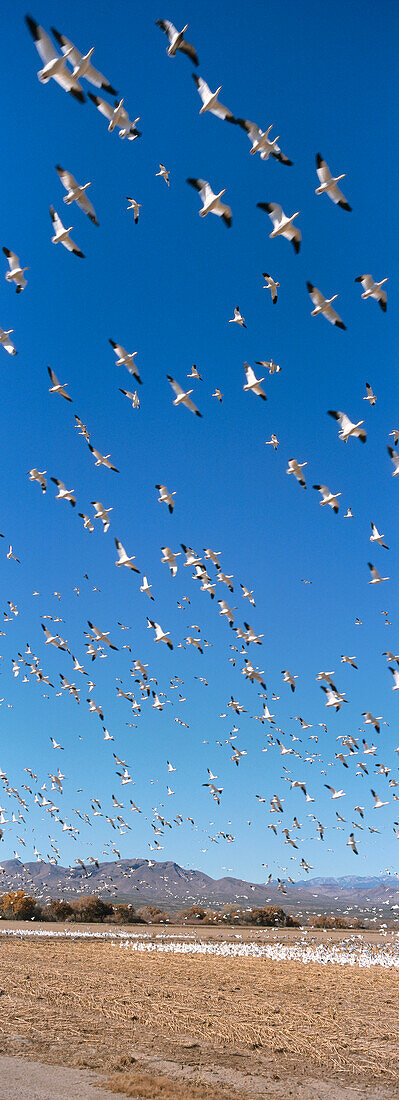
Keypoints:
pixel 210 100
pixel 145 587
pixel 6 342
pixel 296 468
pixel 102 460
pixel 376 537
pixel 347 428
pixel 54 64
pixel 164 173
pixel 253 383
pixel 237 318
pixel 57 387
pixel 53 639
pixel 133 397
pixel 169 558
pixel 328 497
pixel 272 285
pixel 395 459
pixel 351 843
pixel 38 475
pixel 135 206
pixel 288 678
pixel 160 635
pixel 125 359
pixel 166 497
pixel 101 637
pixel 373 290
pixel 61 235
pixel 177 40
pixel 182 396
pixel 395 674
pixel 16 272
pixel 63 492
pixel 117 117
pixel 82 63
pixel 334 793
pixel 375 576
pixel 218 394
pixel 282 226
pixel 328 184
pixel 87 524
pixel 123 558
pixel 323 305
pixel 11 555
pixel 370 396
pixel 273 441
pixel 102 514
pixel 76 193
pixel 377 801
pixel 211 203
pixel 260 141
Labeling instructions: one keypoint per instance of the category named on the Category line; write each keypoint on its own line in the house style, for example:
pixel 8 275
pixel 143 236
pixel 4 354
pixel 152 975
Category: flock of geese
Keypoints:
pixel 73 71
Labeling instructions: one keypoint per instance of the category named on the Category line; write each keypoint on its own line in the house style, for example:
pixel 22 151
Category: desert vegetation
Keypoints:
pixel 90 909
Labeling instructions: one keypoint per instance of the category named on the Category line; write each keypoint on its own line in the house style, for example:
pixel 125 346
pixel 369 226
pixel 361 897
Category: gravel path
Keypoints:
pixel 21 1079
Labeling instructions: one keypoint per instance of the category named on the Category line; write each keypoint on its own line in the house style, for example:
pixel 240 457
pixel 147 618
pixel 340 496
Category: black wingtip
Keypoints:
pixel 319 159
pixel 340 324
pixel 78 94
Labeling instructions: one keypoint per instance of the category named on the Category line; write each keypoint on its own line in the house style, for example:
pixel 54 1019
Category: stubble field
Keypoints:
pixel 183 1027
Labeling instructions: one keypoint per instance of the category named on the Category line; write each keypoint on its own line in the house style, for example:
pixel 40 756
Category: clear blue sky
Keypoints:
pixel 327 80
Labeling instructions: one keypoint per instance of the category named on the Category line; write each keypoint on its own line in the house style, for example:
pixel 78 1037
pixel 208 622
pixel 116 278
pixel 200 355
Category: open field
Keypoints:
pixel 187 1027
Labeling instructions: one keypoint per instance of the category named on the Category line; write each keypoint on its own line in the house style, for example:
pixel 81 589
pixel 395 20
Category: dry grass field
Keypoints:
pixel 201 1028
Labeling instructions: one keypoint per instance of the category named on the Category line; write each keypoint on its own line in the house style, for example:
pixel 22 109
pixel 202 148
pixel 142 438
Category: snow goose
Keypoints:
pixel 169 558
pixel 253 383
pixel 272 285
pixel 328 497
pixel 101 513
pixel 165 497
pixel 182 396
pixel 160 635
pixel 288 678
pixel 272 442
pixel 123 558
pixel 63 492
pixel 125 359
pixel 58 387
pixel 164 173
pixel 260 141
pixel 323 305
pixel 76 193
pixel 81 63
pixel 347 428
pixel 145 587
pixel 117 117
pixel 370 396
pixel 133 397
pixel 395 459
pixel 177 40
pixel 375 576
pixel 102 460
pixel 282 226
pixel 38 475
pixel 210 100
pixel 87 524
pixel 61 235
pixel 237 318
pixel 377 801
pixel 395 674
pixel 54 64
pixel 376 537
pixel 328 184
pixel 373 290
pixel 135 206
pixel 351 843
pixel 6 342
pixel 296 468
pixel 211 203
pixel 16 272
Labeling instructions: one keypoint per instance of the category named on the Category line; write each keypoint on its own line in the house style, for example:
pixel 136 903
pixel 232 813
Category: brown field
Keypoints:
pixel 201 1028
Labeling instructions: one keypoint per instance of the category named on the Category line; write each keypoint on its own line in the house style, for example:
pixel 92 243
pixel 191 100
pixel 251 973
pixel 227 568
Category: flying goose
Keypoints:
pixel 176 40
pixel 328 497
pixel 373 290
pixel 272 285
pixel 145 587
pixel 182 396
pixel 117 117
pixel 328 184
pixel 61 235
pixel 16 272
pixel 166 497
pixel 38 475
pixel 237 318
pixel 375 576
pixel 164 173
pixel 253 383
pixel 102 460
pixel 347 428
pixel 395 459
pixel 57 387
pixel 160 635
pixel 376 537
pixel 296 468
pixel 63 492
pixel 135 206
pixel 102 514
pixel 54 64
pixel 76 193
pixel 133 397
pixel 273 441
pixel 323 305
pixel 6 342
pixel 81 63
pixel 123 558
pixel 169 558
pixel 260 141
pixel 370 396
pixel 125 359
pixel 211 203
pixel 282 226
pixel 210 100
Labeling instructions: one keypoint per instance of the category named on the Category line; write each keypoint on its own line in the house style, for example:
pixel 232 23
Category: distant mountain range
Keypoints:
pixel 146 882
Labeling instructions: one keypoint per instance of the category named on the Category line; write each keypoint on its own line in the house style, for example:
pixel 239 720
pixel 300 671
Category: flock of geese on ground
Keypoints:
pixel 70 69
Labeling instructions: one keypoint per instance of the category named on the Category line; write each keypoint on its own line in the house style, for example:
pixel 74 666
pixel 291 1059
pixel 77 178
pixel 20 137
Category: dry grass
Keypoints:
pixel 88 1003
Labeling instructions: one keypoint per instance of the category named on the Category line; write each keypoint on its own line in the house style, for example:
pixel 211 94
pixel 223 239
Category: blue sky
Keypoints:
pixel 167 289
